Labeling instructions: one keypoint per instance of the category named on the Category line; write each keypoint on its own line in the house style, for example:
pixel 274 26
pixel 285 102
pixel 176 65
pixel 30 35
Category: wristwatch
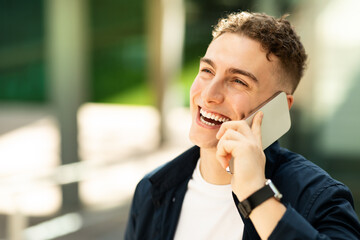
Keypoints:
pixel 269 190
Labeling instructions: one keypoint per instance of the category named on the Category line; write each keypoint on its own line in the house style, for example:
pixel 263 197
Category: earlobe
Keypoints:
pixel 290 100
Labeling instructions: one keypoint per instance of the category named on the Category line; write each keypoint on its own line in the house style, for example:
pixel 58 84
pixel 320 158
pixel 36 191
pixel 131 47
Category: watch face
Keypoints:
pixel 276 192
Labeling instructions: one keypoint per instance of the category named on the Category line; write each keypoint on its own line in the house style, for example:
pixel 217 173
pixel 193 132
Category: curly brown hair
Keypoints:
pixel 276 36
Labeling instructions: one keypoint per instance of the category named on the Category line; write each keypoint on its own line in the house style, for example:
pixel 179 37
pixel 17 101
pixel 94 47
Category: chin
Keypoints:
pixel 203 140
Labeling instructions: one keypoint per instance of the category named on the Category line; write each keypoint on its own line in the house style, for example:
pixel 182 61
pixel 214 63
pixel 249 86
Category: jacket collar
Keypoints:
pixel 181 168
pixel 174 172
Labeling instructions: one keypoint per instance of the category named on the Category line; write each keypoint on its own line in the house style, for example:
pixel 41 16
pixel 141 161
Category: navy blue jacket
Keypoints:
pixel 318 207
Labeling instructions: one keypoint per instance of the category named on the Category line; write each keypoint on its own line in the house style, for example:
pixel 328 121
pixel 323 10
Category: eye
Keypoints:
pixel 206 70
pixel 239 81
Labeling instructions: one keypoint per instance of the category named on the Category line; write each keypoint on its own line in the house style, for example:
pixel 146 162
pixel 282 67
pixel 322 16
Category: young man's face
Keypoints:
pixel 234 78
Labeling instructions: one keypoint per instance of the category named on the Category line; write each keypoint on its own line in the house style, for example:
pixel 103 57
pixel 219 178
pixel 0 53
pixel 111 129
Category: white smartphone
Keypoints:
pixel 275 123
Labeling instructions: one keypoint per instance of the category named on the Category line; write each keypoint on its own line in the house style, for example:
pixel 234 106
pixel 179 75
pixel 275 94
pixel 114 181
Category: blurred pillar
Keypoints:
pixel 16 224
pixel 166 28
pixel 67 46
pixel 154 20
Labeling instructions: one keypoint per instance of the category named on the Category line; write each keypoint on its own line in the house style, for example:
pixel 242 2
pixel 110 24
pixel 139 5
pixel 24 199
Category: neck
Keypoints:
pixel 210 168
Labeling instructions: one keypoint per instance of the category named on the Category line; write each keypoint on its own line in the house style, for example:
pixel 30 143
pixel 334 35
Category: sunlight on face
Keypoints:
pixel 234 77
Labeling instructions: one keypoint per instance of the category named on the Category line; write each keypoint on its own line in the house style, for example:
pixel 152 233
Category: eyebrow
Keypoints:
pixel 232 70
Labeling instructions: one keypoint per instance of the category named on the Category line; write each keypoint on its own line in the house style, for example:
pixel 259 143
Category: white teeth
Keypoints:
pixel 213 116
pixel 207 123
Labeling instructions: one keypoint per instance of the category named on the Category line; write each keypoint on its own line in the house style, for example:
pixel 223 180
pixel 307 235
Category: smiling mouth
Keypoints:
pixel 212 119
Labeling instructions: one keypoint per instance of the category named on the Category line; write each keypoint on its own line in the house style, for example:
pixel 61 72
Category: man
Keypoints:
pixel 251 57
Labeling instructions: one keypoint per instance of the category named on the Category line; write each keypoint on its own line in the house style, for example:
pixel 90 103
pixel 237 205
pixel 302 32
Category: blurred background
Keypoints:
pixel 95 93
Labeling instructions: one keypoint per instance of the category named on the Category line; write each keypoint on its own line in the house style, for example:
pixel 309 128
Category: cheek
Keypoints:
pixel 241 104
pixel 195 88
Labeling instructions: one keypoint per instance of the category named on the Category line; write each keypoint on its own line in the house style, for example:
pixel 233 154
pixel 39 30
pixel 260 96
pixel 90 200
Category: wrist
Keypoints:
pixel 244 190
pixel 246 206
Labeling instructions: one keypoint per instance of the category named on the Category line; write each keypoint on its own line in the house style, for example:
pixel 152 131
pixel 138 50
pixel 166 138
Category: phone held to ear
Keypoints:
pixel 275 123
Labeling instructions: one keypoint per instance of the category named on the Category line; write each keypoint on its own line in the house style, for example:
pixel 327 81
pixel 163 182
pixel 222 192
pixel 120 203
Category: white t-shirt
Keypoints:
pixel 208 212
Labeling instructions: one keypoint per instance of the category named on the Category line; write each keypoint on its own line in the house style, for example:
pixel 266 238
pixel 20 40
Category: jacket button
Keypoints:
pixel 173 200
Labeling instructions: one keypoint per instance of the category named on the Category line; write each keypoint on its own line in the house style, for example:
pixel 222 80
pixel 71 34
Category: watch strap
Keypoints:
pixel 246 206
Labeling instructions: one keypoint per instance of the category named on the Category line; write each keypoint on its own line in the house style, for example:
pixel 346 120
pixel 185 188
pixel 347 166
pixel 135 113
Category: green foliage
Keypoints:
pixel 118 51
pixel 26 83
pixel 187 77
pixel 22 69
pixel 139 95
pixel 118 46
pixel 118 68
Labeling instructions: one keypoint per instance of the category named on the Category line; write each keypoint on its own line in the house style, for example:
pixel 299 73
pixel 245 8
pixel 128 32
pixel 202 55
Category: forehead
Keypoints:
pixel 233 44
pixel 232 50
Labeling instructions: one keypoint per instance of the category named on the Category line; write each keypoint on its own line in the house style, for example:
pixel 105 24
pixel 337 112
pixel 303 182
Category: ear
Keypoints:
pixel 290 100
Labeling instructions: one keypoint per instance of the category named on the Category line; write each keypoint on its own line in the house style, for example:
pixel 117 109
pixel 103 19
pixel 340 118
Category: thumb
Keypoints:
pixel 256 126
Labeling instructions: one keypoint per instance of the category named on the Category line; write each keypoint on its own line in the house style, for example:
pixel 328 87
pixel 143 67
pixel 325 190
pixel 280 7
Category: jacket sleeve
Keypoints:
pixel 330 216
pixel 130 232
pixel 130 227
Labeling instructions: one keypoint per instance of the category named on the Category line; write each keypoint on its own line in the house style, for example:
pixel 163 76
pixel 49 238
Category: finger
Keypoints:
pixel 239 126
pixel 232 134
pixel 256 126
pixel 223 153
pixel 227 145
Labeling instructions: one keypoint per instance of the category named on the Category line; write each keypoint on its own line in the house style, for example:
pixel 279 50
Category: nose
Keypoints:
pixel 213 93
